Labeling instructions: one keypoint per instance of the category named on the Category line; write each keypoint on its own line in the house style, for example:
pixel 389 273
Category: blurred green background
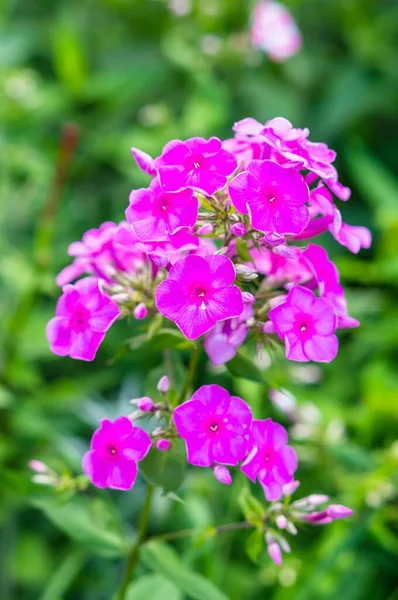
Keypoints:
pixel 132 72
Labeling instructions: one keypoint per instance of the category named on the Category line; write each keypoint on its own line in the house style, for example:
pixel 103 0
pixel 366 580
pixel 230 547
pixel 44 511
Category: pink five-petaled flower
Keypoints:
pixel 115 449
pixel 196 163
pixel 307 325
pixel 215 427
pixel 83 315
pixel 273 196
pixel 270 459
pixel 154 214
pixel 198 292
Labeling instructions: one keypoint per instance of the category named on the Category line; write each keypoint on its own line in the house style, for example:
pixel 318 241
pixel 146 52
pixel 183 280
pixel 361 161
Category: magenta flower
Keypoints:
pixel 198 292
pixel 307 325
pixel 196 163
pixel 154 214
pixel 275 31
pixel 224 339
pixel 215 427
pixel 144 161
pixel 83 315
pixel 331 513
pixel 271 461
pixel 274 196
pixel 115 449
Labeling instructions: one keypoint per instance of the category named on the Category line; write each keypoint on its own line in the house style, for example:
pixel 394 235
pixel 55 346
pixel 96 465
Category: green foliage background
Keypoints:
pixel 130 72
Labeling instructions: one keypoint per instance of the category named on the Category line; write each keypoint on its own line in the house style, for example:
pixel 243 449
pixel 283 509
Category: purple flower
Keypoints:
pixel 270 459
pixel 224 339
pixel 196 163
pixel 154 214
pixel 215 427
pixel 222 474
pixel 144 161
pixel 274 196
pixel 83 315
pixel 331 513
pixel 115 449
pixel 198 292
pixel 307 325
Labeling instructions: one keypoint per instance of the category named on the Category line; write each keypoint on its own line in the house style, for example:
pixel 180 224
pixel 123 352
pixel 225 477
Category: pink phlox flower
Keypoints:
pixel 196 163
pixel 307 325
pixel 144 161
pixel 102 251
pixel 353 237
pixel 83 315
pixel 274 30
pixel 154 214
pixel 198 292
pixel 270 460
pixel 115 449
pixel 215 427
pixel 224 339
pixel 275 197
pixel 247 144
pixel 280 270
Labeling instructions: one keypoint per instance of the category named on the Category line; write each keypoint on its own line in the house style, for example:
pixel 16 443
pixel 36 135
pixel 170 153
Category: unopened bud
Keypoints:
pixel 281 522
pixel 248 298
pixel 338 511
pixel 273 239
pixel 205 229
pixel 146 404
pixel 222 474
pixel 238 229
pixel 274 550
pixel 159 259
pixel 285 251
pixel 38 466
pixel 43 479
pixel 245 273
pixel 317 499
pixel 290 488
pixel 277 300
pixel 163 445
pixel 269 327
pixel 140 312
pixel 163 384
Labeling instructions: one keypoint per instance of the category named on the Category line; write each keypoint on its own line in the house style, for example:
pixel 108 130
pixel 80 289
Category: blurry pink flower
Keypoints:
pixel 146 404
pixel 270 459
pixel 331 513
pixel 140 312
pixel 247 144
pixel 196 163
pixel 307 325
pixel 274 30
pixel 163 445
pixel 223 341
pixel 274 196
pixel 353 237
pixel 154 214
pixel 83 315
pixel 198 292
pixel 274 551
pixel 163 384
pixel 215 427
pixel 38 466
pixel 115 449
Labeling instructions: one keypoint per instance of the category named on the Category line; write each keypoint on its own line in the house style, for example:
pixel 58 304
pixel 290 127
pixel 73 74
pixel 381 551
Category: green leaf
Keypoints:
pixel 153 587
pixel 254 545
pixel 165 469
pixel 169 338
pixel 252 509
pixel 243 250
pixel 63 576
pixel 88 521
pixel 164 560
pixel 240 366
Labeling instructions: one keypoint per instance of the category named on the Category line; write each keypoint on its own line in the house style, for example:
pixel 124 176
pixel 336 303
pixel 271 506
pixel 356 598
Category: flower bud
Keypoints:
pixel 248 298
pixel 238 229
pixel 38 466
pixel 290 488
pixel 245 273
pixel 277 300
pixel 163 445
pixel 140 311
pixel 285 251
pixel 274 550
pixel 317 499
pixel 338 511
pixel 205 229
pixel 273 239
pixel 283 400
pixel 269 327
pixel 281 522
pixel 159 259
pixel 145 404
pixel 43 479
pixel 163 384
pixel 222 474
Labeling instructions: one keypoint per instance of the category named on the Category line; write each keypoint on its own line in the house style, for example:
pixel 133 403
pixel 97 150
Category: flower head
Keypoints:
pixel 215 427
pixel 115 449
pixel 196 163
pixel 270 459
pixel 198 292
pixel 154 214
pixel 83 315
pixel 274 196
pixel 307 325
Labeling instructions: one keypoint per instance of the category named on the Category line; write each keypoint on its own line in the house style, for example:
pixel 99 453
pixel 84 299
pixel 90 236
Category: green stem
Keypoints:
pixel 134 554
pixel 183 533
pixel 190 375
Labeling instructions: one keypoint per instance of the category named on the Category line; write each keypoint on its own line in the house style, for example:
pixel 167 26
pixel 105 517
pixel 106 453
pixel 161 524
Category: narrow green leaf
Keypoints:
pixel 164 560
pixel 64 576
pixel 153 587
pixel 240 366
pixel 164 469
